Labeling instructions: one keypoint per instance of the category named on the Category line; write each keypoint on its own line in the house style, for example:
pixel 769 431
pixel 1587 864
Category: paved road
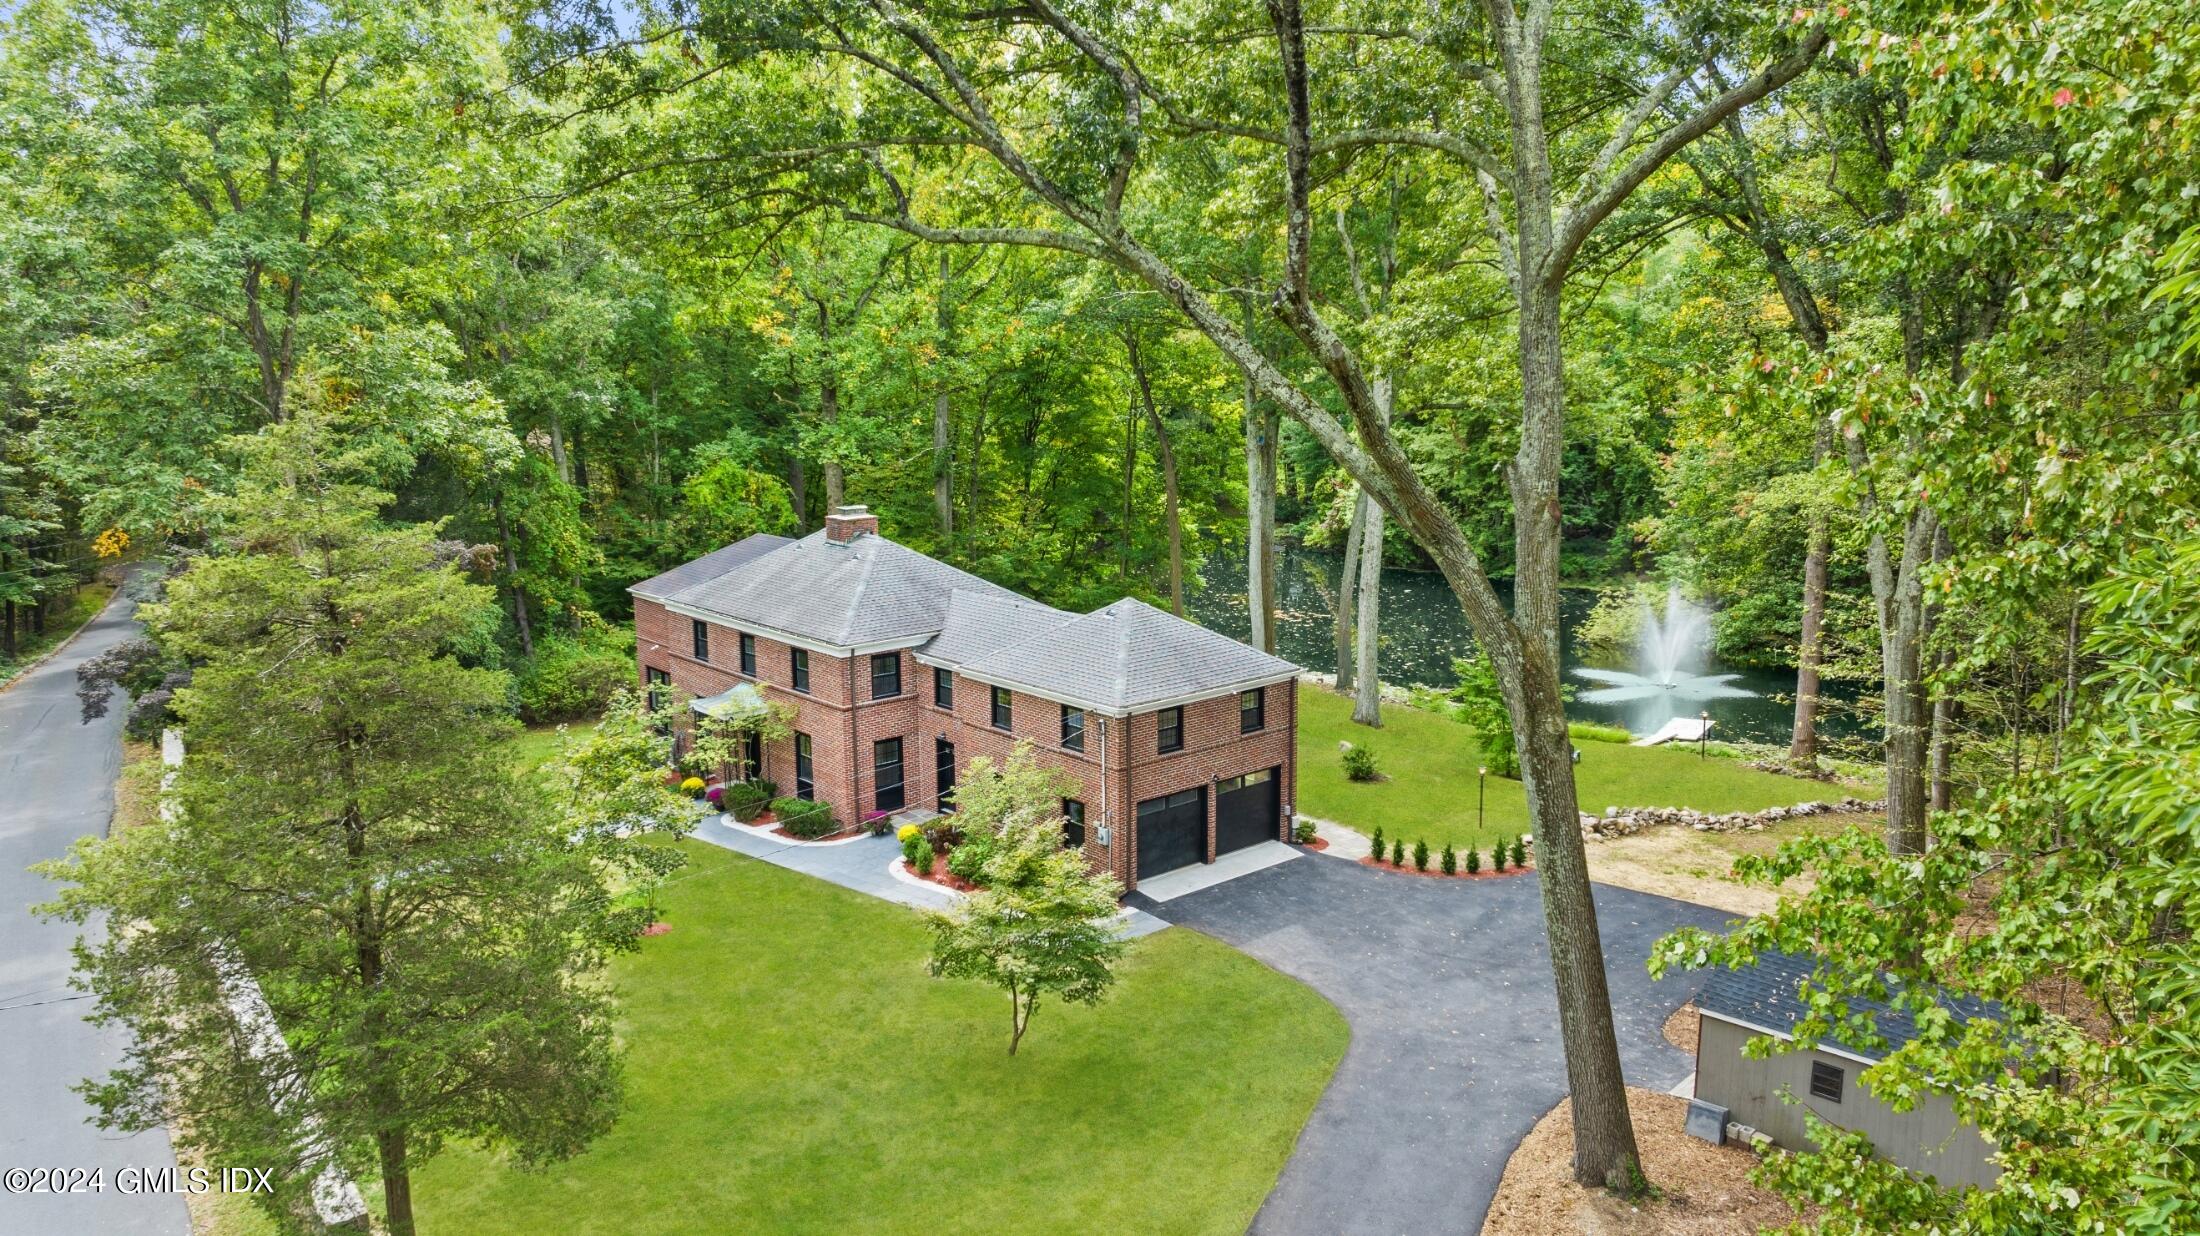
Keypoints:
pixel 1455 1050
pixel 57 781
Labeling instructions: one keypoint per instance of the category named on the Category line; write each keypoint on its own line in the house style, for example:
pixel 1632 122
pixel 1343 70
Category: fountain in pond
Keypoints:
pixel 1669 656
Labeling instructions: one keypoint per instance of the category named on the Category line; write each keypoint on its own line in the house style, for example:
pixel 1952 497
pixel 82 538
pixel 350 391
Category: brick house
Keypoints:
pixel 901 669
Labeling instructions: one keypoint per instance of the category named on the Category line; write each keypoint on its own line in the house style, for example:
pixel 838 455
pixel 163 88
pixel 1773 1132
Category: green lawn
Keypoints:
pixel 534 747
pixel 791 1068
pixel 1429 761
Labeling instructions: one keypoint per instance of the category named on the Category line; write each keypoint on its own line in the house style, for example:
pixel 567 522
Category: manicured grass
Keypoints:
pixel 791 1068
pixel 1430 759
pixel 537 745
pixel 82 608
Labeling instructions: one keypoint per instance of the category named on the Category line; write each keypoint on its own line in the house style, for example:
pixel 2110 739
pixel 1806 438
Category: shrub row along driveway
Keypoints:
pixel 1455 1047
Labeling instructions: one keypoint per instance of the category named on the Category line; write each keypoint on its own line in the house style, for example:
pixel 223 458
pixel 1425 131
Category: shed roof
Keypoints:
pixel 1767 996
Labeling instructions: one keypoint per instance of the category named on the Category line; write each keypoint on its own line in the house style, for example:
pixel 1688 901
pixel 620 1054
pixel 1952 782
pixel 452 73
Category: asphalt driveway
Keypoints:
pixel 57 783
pixel 1455 1049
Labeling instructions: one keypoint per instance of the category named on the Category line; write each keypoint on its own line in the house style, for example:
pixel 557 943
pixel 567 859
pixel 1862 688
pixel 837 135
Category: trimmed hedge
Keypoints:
pixel 799 817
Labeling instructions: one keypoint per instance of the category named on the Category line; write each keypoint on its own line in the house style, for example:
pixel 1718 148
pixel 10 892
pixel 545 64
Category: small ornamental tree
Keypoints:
pixel 1474 860
pixel 1420 856
pixel 1398 853
pixel 1448 862
pixel 1041 924
pixel 1378 844
pixel 1482 708
pixel 1497 856
pixel 722 743
pixel 1520 853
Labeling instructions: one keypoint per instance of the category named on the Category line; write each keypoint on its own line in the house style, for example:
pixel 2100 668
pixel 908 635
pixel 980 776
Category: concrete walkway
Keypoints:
pixel 57 783
pixel 864 864
pixel 1455 1049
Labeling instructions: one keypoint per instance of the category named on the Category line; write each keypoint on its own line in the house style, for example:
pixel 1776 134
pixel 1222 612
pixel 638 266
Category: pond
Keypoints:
pixel 1422 630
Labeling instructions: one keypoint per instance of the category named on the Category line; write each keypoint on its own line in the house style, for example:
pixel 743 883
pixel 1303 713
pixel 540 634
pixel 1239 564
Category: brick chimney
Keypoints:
pixel 846 523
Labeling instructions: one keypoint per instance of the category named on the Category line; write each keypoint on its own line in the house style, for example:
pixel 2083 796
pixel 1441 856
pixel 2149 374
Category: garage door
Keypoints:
pixel 1245 810
pixel 1172 831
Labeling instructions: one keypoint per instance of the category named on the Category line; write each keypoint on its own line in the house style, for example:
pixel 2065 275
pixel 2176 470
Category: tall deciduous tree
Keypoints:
pixel 1060 167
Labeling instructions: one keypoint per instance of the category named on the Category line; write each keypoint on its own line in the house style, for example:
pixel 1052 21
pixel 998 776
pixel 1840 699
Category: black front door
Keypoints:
pixel 1245 810
pixel 943 753
pixel 1172 831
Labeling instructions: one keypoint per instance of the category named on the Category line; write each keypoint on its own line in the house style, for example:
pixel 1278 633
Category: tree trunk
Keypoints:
pixel 943 433
pixel 1260 513
pixel 1810 649
pixel 1367 704
pixel 1604 1136
pixel 557 449
pixel 1166 450
pixel 511 577
pixel 7 626
pixel 828 409
pixel 1130 482
pixel 1348 589
pixel 397 1207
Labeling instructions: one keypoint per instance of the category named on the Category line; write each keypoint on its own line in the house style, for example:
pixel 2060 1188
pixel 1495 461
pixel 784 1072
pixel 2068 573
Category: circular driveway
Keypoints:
pixel 1455 1048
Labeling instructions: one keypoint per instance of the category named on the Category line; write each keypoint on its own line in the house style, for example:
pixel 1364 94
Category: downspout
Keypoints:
pixel 1105 821
pixel 855 757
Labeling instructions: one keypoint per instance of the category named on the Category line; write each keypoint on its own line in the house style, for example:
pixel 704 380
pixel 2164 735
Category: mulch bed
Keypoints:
pixel 852 831
pixel 940 875
pixel 1318 844
pixel 656 929
pixel 1462 874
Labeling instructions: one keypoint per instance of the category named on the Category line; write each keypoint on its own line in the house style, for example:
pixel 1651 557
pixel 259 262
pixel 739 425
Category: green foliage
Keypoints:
pixel 1587 731
pixel 1448 862
pixel 1304 831
pixel 1376 844
pixel 1420 856
pixel 386 773
pixel 968 860
pixel 1474 860
pixel 800 817
pixel 1497 856
pixel 1519 852
pixel 1397 853
pixel 918 850
pixel 574 676
pixel 1040 925
pixel 1482 709
pixel 1359 764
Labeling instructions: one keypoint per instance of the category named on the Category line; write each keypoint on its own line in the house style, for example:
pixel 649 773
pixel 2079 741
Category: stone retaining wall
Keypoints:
pixel 1616 822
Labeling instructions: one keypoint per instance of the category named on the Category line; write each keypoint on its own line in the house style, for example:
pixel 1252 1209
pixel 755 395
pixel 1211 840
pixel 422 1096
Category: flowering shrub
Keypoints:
pixel 693 785
pixel 905 832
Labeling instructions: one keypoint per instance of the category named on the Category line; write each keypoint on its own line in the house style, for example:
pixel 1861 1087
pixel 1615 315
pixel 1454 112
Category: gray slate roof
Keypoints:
pixel 710 566
pixel 844 593
pixel 1126 657
pixel 1765 995
pixel 979 624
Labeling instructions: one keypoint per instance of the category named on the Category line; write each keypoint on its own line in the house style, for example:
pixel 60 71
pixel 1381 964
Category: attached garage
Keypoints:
pixel 1172 831
pixel 1247 810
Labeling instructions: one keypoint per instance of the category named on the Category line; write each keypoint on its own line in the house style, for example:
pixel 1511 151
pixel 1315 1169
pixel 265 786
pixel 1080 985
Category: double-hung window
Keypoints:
pixel 1172 730
pixel 1073 824
pixel 1004 711
pixel 886 774
pixel 699 631
pixel 885 675
pixel 805 769
pixel 748 654
pixel 1252 711
pixel 801 669
pixel 1073 728
pixel 658 681
pixel 943 687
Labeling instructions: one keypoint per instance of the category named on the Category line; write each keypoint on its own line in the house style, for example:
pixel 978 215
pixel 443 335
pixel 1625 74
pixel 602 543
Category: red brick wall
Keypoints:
pixel 842 735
